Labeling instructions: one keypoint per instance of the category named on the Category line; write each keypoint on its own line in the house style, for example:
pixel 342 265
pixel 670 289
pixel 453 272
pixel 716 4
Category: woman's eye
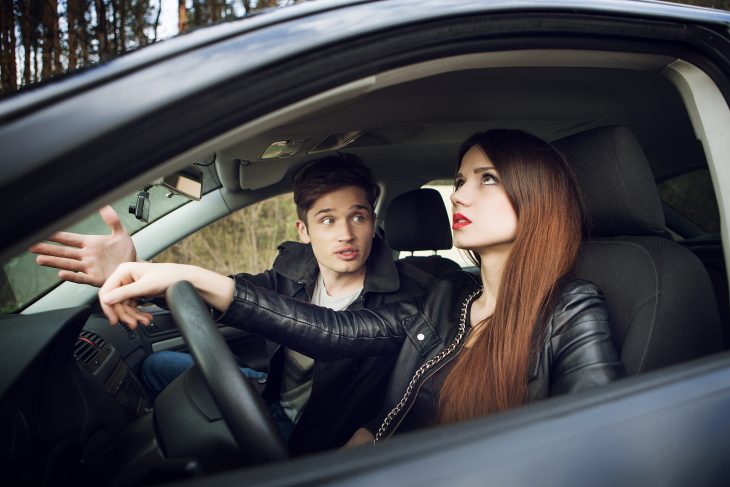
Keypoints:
pixel 489 179
pixel 458 183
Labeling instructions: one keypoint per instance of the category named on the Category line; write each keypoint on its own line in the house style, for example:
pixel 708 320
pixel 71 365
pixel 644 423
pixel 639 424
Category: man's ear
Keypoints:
pixel 302 231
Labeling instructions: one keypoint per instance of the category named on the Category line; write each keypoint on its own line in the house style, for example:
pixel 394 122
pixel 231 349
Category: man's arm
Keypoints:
pixel 88 259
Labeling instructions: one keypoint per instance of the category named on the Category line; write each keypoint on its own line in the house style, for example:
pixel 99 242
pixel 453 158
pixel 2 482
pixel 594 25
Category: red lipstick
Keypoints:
pixel 459 221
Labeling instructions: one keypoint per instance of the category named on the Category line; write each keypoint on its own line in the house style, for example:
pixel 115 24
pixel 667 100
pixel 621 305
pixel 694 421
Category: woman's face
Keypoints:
pixel 483 217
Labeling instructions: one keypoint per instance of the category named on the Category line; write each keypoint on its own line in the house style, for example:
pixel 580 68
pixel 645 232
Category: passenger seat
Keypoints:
pixel 417 220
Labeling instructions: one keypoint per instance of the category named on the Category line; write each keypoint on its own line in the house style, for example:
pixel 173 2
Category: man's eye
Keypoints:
pixel 328 221
pixel 359 219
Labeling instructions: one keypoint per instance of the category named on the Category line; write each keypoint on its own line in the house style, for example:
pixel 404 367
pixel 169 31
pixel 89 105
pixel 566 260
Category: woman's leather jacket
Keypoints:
pixel 576 349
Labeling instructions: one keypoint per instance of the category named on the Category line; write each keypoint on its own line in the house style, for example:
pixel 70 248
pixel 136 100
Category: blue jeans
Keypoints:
pixel 161 368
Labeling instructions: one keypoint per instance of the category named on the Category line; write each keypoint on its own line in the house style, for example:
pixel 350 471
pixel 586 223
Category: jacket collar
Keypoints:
pixel 296 262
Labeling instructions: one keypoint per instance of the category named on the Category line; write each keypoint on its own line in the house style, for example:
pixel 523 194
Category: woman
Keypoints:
pixel 469 348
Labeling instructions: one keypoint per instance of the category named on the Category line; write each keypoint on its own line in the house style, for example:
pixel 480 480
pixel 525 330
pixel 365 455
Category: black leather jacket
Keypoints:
pixel 348 392
pixel 576 349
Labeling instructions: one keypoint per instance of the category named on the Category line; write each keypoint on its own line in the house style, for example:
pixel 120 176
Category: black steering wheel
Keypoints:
pixel 241 407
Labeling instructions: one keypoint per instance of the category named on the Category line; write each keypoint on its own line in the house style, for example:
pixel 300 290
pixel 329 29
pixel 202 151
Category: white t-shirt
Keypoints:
pixel 296 383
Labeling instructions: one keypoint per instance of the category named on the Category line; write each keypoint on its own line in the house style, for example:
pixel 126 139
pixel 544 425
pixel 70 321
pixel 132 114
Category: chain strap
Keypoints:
pixel 423 369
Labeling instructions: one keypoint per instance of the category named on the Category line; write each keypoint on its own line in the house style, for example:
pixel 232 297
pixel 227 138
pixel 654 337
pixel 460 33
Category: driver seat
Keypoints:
pixel 660 299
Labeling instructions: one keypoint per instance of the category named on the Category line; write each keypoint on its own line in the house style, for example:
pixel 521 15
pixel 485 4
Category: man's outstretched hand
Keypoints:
pixel 88 259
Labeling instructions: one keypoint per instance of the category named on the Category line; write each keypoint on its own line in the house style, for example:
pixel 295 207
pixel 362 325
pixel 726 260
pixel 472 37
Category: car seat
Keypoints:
pixel 417 220
pixel 660 299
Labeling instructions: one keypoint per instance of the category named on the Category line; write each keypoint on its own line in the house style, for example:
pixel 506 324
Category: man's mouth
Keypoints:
pixel 459 221
pixel 348 253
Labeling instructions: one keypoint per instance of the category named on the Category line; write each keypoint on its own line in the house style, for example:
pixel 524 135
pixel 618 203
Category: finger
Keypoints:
pixel 56 250
pixel 112 220
pixel 141 317
pixel 118 294
pixel 68 238
pixel 126 314
pixel 60 263
pixel 109 312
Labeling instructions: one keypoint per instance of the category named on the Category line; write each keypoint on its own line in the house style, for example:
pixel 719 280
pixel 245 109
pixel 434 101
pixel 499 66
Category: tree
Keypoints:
pixel 8 67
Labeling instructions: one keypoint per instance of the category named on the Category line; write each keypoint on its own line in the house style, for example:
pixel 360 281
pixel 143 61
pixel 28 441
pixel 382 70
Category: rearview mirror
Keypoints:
pixel 187 182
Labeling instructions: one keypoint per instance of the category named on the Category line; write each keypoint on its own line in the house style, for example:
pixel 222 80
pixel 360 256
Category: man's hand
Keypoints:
pixel 361 437
pixel 88 259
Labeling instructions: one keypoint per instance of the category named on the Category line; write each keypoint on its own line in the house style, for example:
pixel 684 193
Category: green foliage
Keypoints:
pixel 245 241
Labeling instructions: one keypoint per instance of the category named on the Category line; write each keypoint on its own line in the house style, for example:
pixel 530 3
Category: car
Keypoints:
pixel 630 91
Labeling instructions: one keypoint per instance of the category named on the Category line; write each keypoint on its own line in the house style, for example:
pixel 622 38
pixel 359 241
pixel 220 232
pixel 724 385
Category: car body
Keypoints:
pixel 403 82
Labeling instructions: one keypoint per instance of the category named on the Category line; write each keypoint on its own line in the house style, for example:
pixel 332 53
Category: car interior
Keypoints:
pixel 627 123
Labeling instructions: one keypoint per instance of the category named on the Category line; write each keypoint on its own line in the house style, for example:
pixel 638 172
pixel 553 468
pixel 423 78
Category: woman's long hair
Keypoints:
pixel 492 374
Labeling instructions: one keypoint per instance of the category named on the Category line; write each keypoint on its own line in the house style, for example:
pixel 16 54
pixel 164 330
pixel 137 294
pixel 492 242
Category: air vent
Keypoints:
pixel 91 350
pixel 130 332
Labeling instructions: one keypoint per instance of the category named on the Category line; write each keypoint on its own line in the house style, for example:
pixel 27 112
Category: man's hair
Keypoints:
pixel 322 176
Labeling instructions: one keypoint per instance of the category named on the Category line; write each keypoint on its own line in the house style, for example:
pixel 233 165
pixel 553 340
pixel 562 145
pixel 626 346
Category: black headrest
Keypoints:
pixel 417 220
pixel 616 182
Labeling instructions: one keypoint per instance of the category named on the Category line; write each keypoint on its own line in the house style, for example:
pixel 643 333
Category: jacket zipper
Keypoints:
pixel 427 368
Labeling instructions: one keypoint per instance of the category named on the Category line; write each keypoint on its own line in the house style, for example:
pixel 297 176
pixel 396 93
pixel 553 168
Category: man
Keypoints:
pixel 340 264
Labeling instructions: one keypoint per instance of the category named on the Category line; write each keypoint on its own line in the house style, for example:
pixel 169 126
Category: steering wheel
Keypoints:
pixel 241 407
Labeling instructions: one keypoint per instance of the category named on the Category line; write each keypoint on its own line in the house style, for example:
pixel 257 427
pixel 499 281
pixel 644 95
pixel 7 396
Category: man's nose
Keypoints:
pixel 346 233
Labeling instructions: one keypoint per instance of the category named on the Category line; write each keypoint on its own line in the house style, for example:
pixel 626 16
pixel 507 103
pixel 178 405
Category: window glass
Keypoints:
pixel 693 197
pixel 22 281
pixel 244 241
pixel 445 188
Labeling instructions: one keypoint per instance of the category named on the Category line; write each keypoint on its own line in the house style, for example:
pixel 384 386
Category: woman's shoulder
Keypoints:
pixel 578 301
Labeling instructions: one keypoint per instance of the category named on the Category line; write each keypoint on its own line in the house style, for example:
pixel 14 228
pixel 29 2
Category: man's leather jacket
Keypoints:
pixel 575 347
pixel 347 392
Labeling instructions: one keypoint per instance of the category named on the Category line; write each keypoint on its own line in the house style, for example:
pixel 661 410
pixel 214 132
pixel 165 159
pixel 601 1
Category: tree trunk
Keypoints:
pixel 72 13
pixel 83 31
pixel 47 48
pixel 7 48
pixel 139 22
pixel 56 33
pixel 101 31
pixel 28 36
pixel 182 17
pixel 122 32
pixel 156 25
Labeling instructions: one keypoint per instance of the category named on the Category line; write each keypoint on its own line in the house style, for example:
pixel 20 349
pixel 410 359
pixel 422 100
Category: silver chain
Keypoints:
pixel 428 366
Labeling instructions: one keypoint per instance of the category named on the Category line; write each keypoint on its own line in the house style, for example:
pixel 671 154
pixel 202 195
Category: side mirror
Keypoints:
pixel 187 182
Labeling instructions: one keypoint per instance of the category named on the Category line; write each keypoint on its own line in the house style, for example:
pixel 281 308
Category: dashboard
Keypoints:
pixel 69 389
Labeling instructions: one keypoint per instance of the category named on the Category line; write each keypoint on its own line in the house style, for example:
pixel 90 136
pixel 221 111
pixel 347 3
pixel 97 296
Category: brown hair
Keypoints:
pixel 492 374
pixel 322 176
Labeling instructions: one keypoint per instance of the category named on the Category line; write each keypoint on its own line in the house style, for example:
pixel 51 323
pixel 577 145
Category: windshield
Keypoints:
pixel 22 281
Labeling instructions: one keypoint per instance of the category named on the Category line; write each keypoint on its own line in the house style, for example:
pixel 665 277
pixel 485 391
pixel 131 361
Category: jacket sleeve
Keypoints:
pixel 583 353
pixel 318 332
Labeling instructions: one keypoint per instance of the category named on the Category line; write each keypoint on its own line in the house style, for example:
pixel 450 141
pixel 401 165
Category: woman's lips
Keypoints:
pixel 347 254
pixel 459 221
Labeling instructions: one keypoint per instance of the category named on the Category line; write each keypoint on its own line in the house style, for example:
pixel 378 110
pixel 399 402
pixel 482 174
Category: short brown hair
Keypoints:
pixel 322 176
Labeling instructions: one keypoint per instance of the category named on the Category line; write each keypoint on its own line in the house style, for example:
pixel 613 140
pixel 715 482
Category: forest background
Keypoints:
pixel 41 40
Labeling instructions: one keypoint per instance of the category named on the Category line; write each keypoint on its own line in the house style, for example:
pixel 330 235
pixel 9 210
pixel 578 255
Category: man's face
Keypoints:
pixel 340 228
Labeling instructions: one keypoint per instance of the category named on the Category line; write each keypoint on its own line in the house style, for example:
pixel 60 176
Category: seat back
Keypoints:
pixel 417 220
pixel 660 299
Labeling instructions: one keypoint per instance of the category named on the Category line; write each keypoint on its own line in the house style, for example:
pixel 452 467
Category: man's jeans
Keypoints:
pixel 161 368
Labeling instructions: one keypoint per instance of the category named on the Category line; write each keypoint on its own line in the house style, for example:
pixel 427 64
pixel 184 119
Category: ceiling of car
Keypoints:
pixel 419 120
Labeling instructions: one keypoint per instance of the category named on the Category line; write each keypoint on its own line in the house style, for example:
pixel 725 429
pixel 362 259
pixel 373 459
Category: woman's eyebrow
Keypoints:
pixel 479 170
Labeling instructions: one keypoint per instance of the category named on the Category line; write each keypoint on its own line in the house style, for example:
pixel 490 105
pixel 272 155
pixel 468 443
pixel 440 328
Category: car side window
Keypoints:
pixel 244 241
pixel 690 205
